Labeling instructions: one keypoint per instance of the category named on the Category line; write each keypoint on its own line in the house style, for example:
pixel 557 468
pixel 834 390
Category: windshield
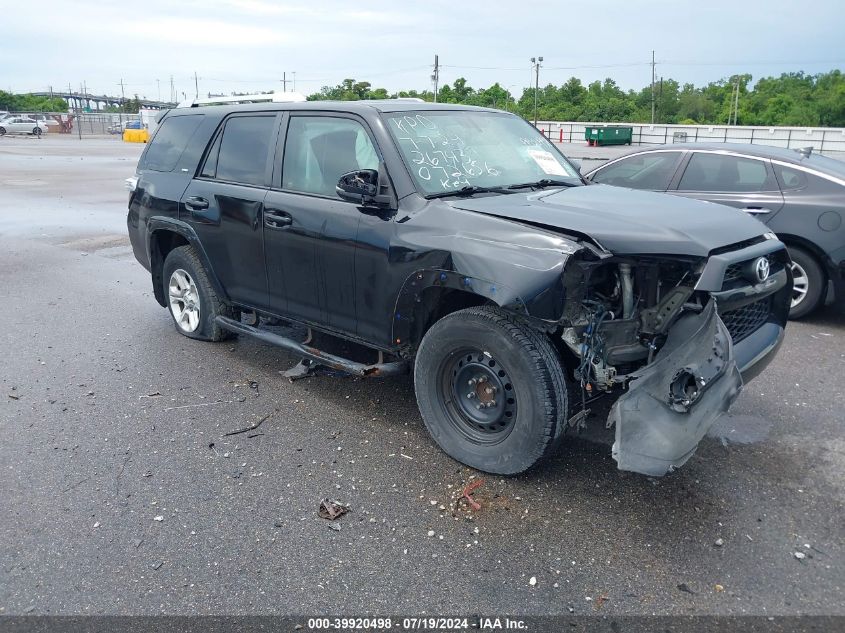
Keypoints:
pixel 450 150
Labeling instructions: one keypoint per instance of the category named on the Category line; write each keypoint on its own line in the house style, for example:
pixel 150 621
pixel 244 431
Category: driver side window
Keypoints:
pixel 319 150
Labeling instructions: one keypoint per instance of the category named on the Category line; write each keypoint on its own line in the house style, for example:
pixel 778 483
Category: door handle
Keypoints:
pixel 757 210
pixel 275 219
pixel 195 203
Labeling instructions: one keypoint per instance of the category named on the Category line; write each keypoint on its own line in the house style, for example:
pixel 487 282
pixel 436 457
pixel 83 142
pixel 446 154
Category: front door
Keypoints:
pixel 225 204
pixel 310 234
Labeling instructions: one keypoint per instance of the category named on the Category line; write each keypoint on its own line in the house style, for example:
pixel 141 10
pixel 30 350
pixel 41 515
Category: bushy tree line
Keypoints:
pixel 796 99
pixel 30 103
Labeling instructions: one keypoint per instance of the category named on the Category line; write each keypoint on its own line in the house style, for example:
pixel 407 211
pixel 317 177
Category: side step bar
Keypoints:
pixel 318 357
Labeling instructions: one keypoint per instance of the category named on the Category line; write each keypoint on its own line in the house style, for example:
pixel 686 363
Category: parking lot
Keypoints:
pixel 129 486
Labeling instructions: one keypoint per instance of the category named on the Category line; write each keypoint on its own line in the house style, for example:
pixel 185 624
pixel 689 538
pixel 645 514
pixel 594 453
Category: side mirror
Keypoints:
pixel 359 186
pixel 576 164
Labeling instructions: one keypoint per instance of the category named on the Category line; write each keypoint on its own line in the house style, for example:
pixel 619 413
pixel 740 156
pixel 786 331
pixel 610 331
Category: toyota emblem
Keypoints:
pixel 761 267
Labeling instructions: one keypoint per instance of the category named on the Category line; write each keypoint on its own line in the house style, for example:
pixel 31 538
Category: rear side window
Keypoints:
pixel 790 178
pixel 651 171
pixel 240 153
pixel 722 172
pixel 170 141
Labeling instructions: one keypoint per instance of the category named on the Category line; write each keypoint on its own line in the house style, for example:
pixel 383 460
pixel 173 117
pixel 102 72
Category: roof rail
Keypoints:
pixel 805 151
pixel 275 97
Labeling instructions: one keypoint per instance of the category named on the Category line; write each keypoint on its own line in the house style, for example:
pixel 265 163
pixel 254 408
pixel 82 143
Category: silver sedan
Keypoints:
pixel 22 125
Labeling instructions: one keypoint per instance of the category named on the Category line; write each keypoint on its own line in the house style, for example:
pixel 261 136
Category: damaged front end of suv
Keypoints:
pixel 668 340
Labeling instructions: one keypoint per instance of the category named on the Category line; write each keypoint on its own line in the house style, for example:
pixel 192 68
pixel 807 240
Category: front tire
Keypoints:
pixel 2 131
pixel 491 390
pixel 809 283
pixel 36 131
pixel 191 299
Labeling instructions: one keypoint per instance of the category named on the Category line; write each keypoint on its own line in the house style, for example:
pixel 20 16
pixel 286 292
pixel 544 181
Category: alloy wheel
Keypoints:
pixel 800 284
pixel 184 300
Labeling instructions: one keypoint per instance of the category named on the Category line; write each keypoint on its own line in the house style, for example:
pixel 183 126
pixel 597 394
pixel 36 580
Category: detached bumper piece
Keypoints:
pixel 316 356
pixel 671 403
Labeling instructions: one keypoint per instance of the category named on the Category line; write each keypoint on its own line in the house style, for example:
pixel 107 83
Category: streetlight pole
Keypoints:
pixel 536 62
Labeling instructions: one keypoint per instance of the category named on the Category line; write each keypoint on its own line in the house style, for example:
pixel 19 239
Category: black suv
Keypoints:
pixel 459 244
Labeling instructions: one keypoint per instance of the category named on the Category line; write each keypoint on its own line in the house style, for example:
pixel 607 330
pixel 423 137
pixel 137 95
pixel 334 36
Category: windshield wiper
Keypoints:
pixel 468 191
pixel 544 182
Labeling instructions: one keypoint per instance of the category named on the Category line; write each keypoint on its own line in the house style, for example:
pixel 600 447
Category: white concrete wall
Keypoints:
pixel 830 141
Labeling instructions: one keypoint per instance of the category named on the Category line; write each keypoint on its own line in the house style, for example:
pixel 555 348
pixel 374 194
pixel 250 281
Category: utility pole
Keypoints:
pixel 660 99
pixel 172 91
pixel 158 85
pixel 122 94
pixel 284 81
pixel 197 85
pixel 736 103
pixel 435 77
pixel 652 87
pixel 294 80
pixel 536 62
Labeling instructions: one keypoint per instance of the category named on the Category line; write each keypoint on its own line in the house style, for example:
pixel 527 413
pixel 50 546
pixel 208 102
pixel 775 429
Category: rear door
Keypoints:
pixel 225 203
pixel 745 182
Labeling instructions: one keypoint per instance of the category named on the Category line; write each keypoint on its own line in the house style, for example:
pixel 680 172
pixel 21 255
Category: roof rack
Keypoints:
pixel 274 97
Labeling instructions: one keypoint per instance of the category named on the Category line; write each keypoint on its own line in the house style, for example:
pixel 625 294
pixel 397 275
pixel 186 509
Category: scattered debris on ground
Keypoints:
pixel 332 510
pixel 719 542
pixel 685 588
pixel 252 427
pixel 467 493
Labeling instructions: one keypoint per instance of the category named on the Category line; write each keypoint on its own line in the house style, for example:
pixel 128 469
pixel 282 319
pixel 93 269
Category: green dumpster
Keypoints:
pixel 608 135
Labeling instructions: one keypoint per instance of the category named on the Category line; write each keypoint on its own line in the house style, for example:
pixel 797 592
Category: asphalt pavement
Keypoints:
pixel 147 473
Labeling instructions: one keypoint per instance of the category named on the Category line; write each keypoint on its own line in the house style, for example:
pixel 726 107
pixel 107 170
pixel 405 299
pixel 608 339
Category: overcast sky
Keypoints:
pixel 246 45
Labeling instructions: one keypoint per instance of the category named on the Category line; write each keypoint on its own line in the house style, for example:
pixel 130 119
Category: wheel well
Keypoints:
pixel 435 303
pixel 812 249
pixel 161 243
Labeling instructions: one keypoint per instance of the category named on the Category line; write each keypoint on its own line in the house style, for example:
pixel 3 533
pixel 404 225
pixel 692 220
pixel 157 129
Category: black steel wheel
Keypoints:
pixel 491 390
pixel 478 392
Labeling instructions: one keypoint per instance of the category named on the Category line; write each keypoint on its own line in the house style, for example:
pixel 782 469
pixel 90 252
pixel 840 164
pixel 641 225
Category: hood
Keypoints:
pixel 626 221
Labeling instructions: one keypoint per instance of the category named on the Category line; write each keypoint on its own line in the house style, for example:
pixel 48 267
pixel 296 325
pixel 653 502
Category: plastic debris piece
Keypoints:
pixel 332 510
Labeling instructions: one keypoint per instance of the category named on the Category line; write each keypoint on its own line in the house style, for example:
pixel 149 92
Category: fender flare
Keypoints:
pixel 404 313
pixel 159 224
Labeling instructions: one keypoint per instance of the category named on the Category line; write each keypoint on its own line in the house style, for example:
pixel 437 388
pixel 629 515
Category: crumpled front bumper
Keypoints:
pixel 671 403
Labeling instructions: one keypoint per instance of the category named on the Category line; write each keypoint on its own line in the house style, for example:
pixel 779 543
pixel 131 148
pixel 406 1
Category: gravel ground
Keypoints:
pixel 122 493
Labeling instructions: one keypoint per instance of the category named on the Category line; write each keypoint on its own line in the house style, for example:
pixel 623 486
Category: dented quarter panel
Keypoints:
pixel 656 432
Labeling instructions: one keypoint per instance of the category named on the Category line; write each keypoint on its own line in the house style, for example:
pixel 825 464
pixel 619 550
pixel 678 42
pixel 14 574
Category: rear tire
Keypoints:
pixel 2 131
pixel 491 390
pixel 191 299
pixel 810 283
pixel 36 131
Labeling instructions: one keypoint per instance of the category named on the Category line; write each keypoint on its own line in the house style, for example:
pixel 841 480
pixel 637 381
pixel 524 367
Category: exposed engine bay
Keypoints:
pixel 642 333
pixel 625 315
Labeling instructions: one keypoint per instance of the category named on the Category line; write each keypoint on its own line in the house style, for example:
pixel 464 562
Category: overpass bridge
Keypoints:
pixel 79 100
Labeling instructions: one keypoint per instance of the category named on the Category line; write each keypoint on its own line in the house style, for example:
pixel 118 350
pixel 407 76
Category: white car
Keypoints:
pixel 22 125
